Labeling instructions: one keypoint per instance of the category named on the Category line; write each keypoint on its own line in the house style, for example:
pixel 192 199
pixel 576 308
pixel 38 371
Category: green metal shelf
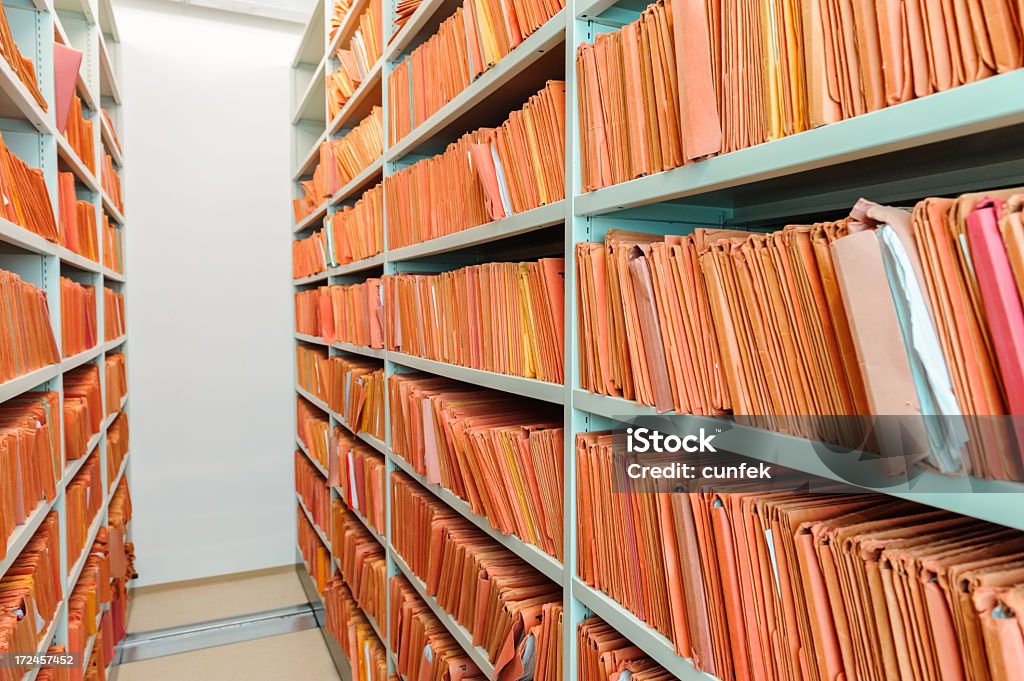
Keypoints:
pixel 549 566
pixel 517 385
pixel 984 499
pixel 520 223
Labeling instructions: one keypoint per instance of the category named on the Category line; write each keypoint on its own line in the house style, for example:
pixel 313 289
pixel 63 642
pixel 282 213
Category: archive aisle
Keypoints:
pixel 794 228
pixel 65 507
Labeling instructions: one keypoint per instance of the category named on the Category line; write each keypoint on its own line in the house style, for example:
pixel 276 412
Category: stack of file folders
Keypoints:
pixel 86 602
pixel 503 456
pixel 352 233
pixel 485 175
pixel 357 150
pixel 83 500
pixel 122 551
pixel 354 634
pixel 117 381
pixel 113 314
pixel 501 608
pixel 111 181
pixel 356 60
pixel 117 445
pixel 312 489
pixel 26 341
pixel 309 256
pixel 356 232
pixel 83 409
pixel 21 65
pixel 350 313
pixel 28 201
pixel 688 80
pixel 316 190
pixel 113 246
pixel 404 9
pixel 352 388
pixel 476 37
pixel 79 133
pixel 604 653
pixel 314 430
pixel 316 556
pixel 77 220
pixel 423 647
pixel 360 480
pixel 30 462
pixel 30 592
pixel 754 584
pixel 502 317
pixel 909 314
pixel 339 11
pixel 362 560
pixel 113 131
pixel 78 329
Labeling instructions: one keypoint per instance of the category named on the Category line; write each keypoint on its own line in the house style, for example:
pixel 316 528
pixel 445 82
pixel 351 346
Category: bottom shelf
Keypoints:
pixel 341 663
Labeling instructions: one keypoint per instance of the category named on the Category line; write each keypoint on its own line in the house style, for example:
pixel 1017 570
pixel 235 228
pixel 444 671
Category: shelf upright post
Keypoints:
pixel 387 66
pixel 576 229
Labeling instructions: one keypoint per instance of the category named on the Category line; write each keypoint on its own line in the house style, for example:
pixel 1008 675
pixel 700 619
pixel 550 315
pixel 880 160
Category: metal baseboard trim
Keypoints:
pixel 175 640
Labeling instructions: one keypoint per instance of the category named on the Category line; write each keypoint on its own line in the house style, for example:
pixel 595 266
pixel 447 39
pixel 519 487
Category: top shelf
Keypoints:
pixel 973 109
pixel 108 25
pixel 311 46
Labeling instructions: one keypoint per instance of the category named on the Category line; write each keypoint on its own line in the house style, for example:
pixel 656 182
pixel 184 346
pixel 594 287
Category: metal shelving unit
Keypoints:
pixel 88 26
pixel 963 139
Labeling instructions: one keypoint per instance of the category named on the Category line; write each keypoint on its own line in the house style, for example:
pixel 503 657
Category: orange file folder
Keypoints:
pixel 117 381
pixel 111 182
pixel 314 430
pixel 117 445
pixel 113 314
pixel 312 489
pixel 316 556
pixel 502 607
pixel 422 646
pixel 30 591
pixel 28 202
pixel 359 148
pixel 83 501
pixel 83 409
pixel 500 317
pixel 688 80
pixel 361 474
pixel 478 35
pixel 113 131
pixel 485 175
pixel 349 626
pixel 352 313
pixel 806 330
pixel 339 11
pixel 27 341
pixel 22 66
pixel 79 133
pixel 604 653
pixel 77 222
pixel 363 562
pixel 352 388
pixel 30 459
pixel 77 317
pixel 502 456
pixel 113 246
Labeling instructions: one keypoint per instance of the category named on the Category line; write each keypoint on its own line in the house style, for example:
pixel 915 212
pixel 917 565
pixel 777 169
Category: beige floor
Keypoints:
pixel 294 657
pixel 187 603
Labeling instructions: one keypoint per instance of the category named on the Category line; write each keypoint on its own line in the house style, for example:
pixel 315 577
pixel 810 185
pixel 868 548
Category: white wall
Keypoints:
pixel 205 128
